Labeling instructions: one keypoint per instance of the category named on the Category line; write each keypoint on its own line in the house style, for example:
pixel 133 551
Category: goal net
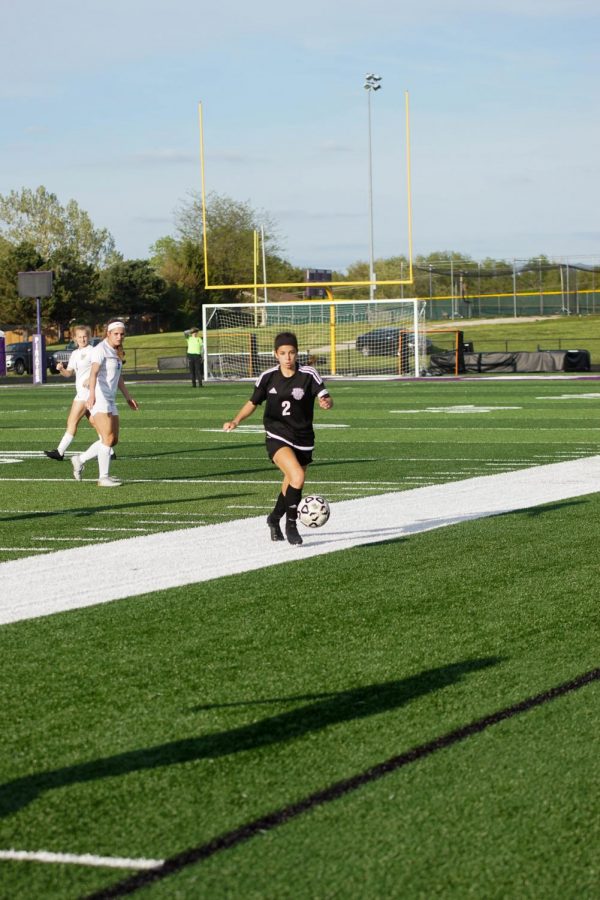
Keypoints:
pixel 369 338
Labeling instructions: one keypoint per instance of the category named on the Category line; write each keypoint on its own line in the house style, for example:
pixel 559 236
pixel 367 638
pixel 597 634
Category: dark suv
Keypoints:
pixel 64 355
pixel 19 358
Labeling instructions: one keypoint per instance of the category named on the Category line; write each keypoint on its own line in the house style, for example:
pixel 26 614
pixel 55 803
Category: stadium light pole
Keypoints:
pixel 372 83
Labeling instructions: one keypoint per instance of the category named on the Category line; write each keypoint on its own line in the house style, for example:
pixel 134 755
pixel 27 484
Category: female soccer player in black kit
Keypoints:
pixel 289 392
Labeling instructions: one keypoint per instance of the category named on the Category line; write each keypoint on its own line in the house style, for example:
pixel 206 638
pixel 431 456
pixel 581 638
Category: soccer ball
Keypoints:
pixel 313 511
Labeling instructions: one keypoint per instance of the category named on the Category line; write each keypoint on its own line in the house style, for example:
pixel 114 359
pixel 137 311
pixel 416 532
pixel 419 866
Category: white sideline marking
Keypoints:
pixel 258 428
pixel 27 549
pixel 160 561
pixel 85 859
pixel 31 453
pixel 469 408
pixel 165 523
pixel 103 530
pixel 571 397
pixel 72 540
pixel 183 481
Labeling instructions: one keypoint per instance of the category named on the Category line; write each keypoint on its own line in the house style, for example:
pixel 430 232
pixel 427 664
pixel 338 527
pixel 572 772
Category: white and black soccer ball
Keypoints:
pixel 313 511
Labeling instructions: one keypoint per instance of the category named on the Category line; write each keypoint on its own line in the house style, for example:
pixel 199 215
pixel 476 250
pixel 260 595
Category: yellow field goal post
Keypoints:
pixel 257 284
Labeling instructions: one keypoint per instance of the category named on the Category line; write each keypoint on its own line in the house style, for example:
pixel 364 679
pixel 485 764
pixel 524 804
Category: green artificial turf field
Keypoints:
pixel 152 725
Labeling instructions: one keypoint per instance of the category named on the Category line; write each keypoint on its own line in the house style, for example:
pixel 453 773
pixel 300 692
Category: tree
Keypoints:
pixel 394 268
pixel 38 219
pixel 180 263
pixel 131 288
pixel 74 292
pixel 231 226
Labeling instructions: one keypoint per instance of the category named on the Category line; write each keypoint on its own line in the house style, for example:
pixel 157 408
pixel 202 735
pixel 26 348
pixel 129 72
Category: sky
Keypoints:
pixel 99 103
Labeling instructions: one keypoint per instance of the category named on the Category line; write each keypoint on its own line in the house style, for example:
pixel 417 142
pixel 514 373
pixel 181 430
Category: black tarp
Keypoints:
pixel 578 361
pixel 521 361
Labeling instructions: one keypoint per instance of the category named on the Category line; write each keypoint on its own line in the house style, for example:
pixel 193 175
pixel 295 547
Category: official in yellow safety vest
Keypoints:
pixel 195 348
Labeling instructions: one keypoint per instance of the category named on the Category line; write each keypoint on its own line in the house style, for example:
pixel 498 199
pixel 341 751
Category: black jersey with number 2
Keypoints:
pixel 289 404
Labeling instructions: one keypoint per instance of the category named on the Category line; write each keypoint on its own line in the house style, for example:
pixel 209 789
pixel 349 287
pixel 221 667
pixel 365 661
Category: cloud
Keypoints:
pixel 586 235
pixel 146 158
pixel 91 35
pixel 332 146
pixel 152 220
pixel 164 156
pixel 236 158
pixel 315 214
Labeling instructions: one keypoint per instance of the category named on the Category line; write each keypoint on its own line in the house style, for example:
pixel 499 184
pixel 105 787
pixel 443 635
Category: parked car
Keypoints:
pixel 19 358
pixel 386 341
pixel 63 355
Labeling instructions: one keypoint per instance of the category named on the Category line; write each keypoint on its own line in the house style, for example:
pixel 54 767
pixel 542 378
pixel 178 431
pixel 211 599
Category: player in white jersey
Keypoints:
pixel 288 391
pixel 79 365
pixel 106 377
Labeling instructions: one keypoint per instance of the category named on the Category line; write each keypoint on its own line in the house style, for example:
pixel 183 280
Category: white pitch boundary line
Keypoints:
pixel 177 558
pixel 26 549
pixel 73 540
pixel 39 454
pixel 85 859
pixel 183 481
pixel 103 530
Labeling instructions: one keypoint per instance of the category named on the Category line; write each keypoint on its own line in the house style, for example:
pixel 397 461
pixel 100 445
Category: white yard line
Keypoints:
pixel 73 540
pixel 183 481
pixel 26 549
pixel 187 556
pixel 103 530
pixel 85 859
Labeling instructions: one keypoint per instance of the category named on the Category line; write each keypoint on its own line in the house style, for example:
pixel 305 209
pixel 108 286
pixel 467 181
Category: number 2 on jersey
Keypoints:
pixel 285 407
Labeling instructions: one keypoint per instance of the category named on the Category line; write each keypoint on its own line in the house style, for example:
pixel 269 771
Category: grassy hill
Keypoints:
pixel 552 333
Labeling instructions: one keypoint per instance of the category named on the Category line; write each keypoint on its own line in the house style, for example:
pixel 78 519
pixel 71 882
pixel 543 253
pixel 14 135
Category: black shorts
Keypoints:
pixel 304 457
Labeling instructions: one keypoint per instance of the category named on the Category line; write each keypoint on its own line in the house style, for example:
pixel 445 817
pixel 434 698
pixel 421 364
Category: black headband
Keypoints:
pixel 286 338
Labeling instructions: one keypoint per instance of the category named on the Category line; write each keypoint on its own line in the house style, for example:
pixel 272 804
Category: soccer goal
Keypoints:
pixel 346 338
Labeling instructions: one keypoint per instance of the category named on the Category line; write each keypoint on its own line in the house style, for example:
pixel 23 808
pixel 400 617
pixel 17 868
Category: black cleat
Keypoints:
pixel 291 532
pixel 275 529
pixel 54 454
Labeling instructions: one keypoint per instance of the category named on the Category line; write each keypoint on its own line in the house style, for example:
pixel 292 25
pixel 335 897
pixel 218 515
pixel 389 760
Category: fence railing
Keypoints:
pixel 512 345
pixel 157 360
pixel 485 306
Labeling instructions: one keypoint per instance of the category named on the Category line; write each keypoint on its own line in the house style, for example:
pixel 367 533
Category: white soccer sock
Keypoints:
pixel 65 442
pixel 103 460
pixel 91 452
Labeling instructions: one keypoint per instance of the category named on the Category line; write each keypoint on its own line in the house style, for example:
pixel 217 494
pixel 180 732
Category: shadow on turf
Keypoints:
pixel 547 507
pixel 329 709
pixel 429 524
pixel 262 465
pixel 210 448
pixel 115 507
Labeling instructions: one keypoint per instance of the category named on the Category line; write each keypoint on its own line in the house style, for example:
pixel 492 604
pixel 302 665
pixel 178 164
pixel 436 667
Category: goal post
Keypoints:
pixel 345 338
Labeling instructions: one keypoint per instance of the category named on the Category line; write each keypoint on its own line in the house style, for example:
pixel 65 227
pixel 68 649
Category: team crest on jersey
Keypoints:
pixel 297 393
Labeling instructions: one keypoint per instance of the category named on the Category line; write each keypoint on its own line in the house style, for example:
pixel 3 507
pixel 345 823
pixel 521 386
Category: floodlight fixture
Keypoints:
pixel 372 82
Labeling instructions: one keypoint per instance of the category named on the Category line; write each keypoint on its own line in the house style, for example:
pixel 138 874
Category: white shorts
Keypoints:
pixel 82 395
pixel 104 406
